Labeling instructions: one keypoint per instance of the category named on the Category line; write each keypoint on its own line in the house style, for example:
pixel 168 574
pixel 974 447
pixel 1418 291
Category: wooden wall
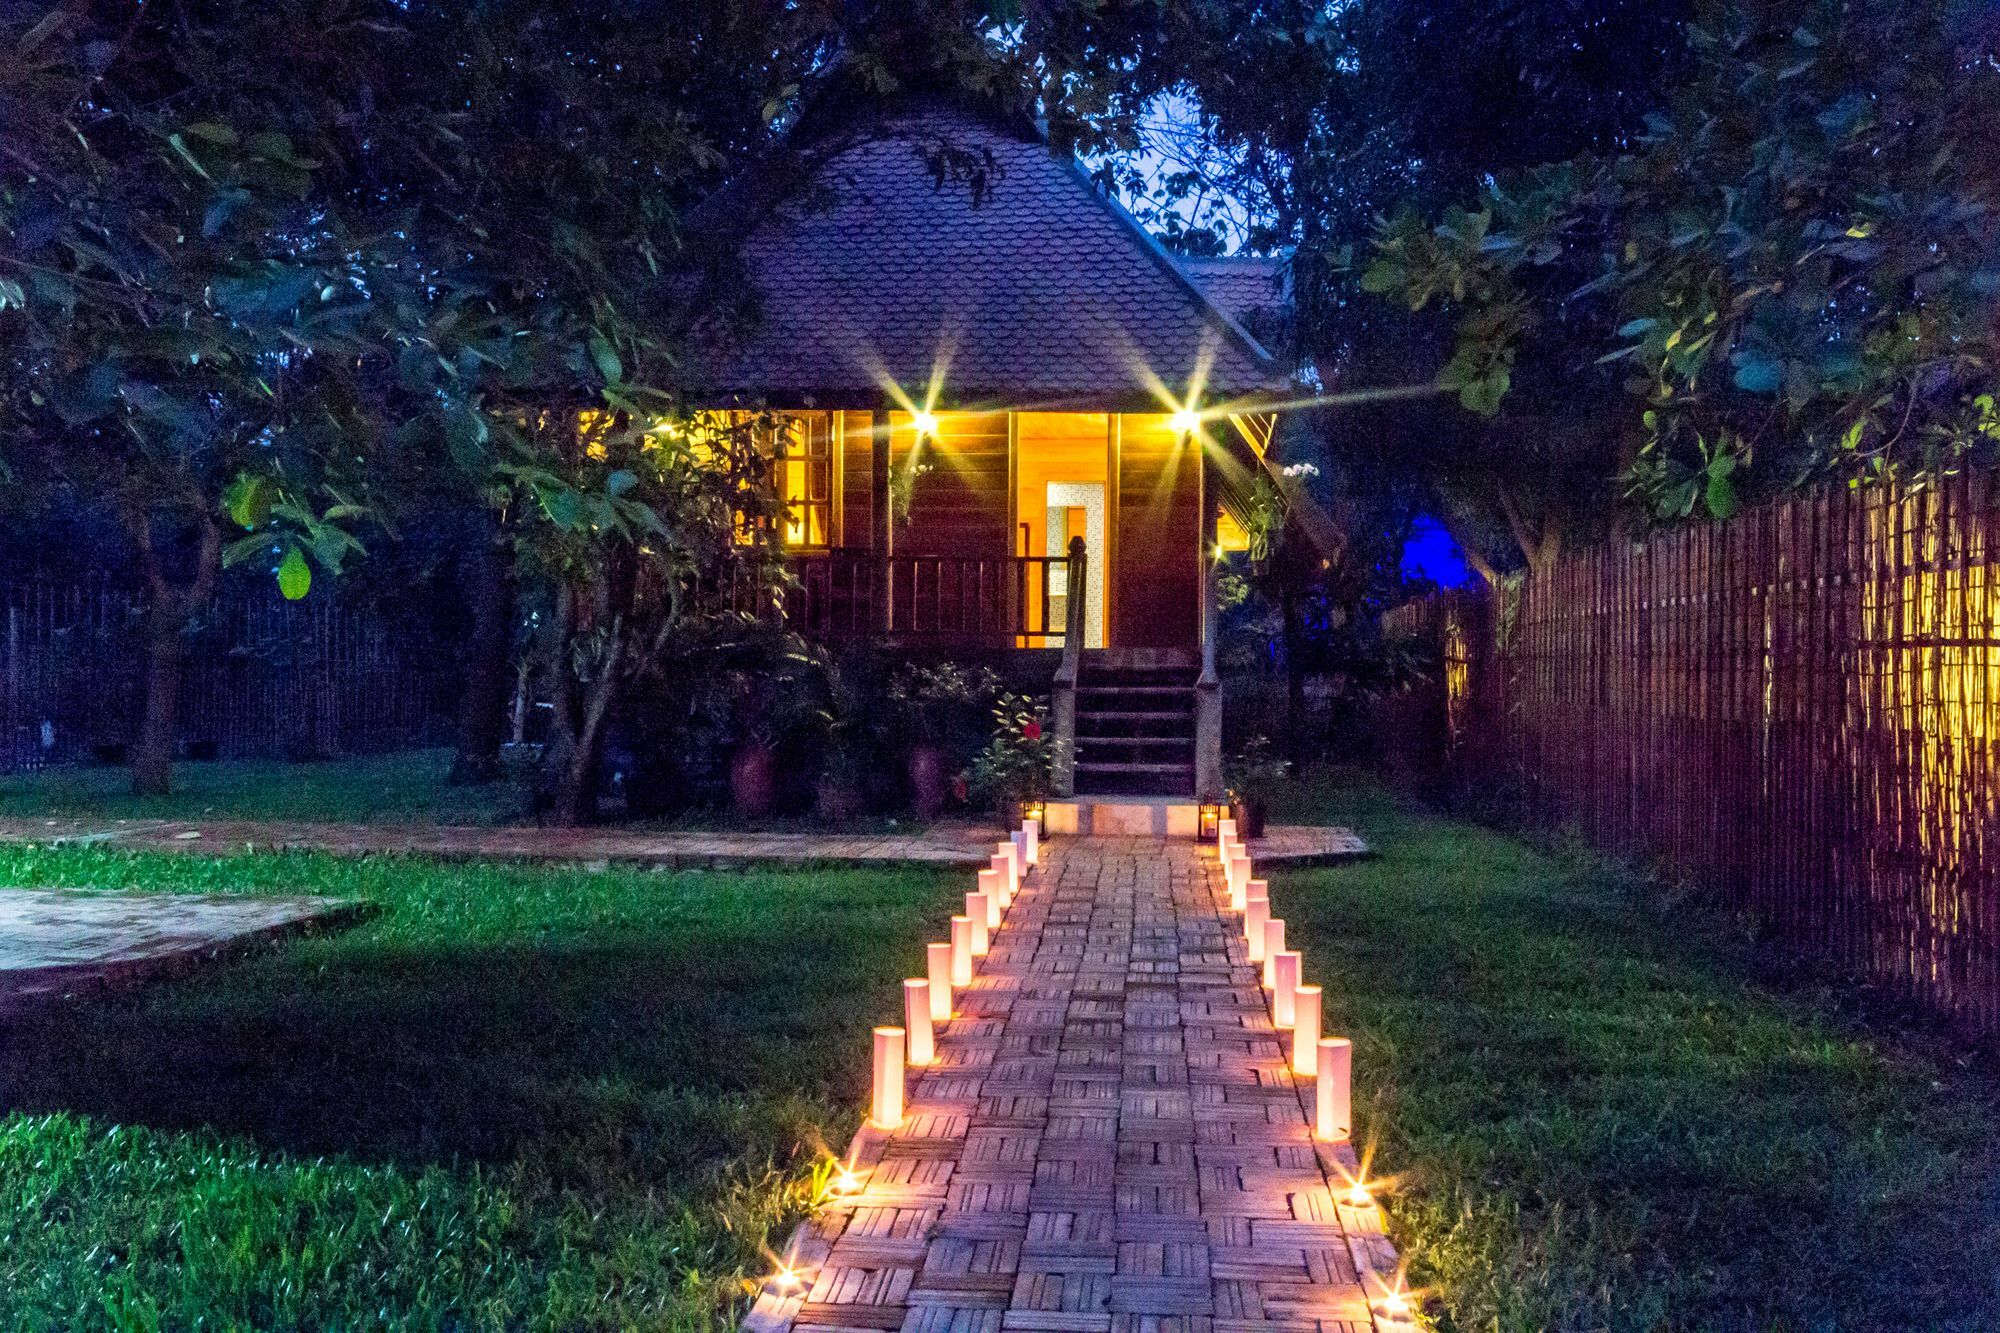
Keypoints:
pixel 857 493
pixel 960 505
pixel 1156 596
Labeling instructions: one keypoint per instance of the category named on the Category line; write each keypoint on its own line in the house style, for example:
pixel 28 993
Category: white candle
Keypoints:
pixel 917 1020
pixel 937 960
pixel 1225 832
pixel 1284 993
pixel 961 951
pixel 1019 838
pixel 1239 881
pixel 993 884
pixel 1002 865
pixel 1255 913
pixel 978 910
pixel 1305 1030
pixel 1333 1100
pixel 1033 830
pixel 1274 944
pixel 888 1108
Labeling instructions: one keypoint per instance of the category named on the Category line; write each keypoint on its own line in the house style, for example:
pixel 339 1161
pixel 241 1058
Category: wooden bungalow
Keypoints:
pixel 1013 422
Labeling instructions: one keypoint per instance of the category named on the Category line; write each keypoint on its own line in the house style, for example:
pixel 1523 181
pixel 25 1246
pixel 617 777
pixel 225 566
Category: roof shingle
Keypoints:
pixel 1040 292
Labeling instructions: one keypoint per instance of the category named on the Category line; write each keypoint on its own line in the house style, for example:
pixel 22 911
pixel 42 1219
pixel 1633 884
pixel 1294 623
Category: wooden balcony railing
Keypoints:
pixel 843 596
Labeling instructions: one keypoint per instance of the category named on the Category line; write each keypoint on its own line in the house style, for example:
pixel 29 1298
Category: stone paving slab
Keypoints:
pixel 949 845
pixel 1110 1139
pixel 54 941
pixel 946 845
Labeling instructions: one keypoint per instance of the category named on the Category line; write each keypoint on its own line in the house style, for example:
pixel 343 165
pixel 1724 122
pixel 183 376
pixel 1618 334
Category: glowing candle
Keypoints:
pixel 917 1020
pixel 888 1109
pixel 1019 837
pixel 1274 944
pixel 978 910
pixel 1305 1029
pixel 993 884
pixel 1239 881
pixel 1033 830
pixel 937 960
pixel 1225 832
pixel 1002 865
pixel 1007 850
pixel 1284 992
pixel 961 951
pixel 1256 911
pixel 1333 1102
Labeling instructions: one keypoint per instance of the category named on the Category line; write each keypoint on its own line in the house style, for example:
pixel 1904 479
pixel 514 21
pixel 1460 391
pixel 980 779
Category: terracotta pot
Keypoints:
pixel 837 800
pixel 1249 817
pixel 753 781
pixel 927 781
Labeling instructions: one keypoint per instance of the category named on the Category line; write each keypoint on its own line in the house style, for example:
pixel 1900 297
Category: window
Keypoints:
pixel 804 465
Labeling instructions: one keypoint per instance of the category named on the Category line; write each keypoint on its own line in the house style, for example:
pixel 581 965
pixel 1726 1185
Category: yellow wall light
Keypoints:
pixel 1186 421
pixel 924 422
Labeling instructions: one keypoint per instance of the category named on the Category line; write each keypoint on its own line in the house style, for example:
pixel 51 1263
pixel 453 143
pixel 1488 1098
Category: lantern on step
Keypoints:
pixel 1035 812
pixel 1211 821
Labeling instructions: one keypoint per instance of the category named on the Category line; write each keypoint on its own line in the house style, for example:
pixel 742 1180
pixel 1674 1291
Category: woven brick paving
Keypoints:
pixel 1109 1140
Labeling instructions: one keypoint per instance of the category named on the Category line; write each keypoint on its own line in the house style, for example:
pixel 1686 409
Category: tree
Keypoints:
pixel 1794 267
pixel 180 319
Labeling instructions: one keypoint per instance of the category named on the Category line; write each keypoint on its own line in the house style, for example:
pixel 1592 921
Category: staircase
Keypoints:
pixel 1135 725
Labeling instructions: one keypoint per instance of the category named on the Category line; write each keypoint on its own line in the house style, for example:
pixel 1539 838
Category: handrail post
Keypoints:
pixel 1208 696
pixel 1075 593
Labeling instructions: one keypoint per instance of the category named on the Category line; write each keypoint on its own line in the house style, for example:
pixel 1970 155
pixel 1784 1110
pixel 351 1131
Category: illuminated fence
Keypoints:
pixel 1798 708
pixel 262 678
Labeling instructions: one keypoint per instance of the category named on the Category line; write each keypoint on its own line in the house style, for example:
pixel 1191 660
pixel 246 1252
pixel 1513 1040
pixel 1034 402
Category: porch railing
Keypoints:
pixel 1005 601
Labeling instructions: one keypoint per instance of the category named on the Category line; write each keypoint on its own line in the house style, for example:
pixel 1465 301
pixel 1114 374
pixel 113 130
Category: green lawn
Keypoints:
pixel 516 1098
pixel 405 786
pixel 401 786
pixel 1601 1121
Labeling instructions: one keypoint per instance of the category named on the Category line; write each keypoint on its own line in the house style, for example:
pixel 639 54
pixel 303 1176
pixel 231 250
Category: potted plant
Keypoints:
pixel 1018 764
pixel 935 711
pixel 1252 773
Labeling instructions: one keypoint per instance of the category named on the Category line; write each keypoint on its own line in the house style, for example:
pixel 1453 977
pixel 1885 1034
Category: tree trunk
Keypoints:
pixel 1295 676
pixel 153 750
pixel 168 611
pixel 482 708
pixel 568 792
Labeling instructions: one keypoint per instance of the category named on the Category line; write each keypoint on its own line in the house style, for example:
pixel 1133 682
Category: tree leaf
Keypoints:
pixel 294 575
pixel 606 357
pixel 1721 496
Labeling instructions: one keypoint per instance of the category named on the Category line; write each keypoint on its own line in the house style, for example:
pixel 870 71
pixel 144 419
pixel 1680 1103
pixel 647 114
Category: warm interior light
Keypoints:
pixel 1184 422
pixel 924 422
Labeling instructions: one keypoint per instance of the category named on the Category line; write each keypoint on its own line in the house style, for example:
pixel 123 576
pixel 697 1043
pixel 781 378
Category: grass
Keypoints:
pixel 405 786
pixel 514 1099
pixel 1601 1118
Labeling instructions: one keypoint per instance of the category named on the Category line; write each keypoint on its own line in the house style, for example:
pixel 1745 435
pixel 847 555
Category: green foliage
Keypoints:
pixel 1018 763
pixel 1578 1088
pixel 1256 770
pixel 485 1108
pixel 1795 263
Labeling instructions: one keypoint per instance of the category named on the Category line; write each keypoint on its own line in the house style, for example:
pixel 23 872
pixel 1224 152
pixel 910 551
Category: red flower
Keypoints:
pixel 1033 731
pixel 961 789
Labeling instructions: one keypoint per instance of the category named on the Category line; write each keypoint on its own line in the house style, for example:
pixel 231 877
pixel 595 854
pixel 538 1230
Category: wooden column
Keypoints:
pixel 882 517
pixel 1208 779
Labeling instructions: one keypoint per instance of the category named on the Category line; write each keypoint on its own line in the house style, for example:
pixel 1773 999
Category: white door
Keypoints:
pixel 1068 502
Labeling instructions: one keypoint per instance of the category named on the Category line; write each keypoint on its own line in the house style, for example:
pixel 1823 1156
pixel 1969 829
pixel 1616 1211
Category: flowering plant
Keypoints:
pixel 1018 763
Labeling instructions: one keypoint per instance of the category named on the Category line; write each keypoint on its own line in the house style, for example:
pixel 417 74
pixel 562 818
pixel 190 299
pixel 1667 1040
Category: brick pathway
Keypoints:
pixel 1110 1140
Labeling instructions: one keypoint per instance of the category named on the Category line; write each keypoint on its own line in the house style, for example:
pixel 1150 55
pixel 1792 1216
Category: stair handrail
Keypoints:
pixel 1208 780
pixel 1075 594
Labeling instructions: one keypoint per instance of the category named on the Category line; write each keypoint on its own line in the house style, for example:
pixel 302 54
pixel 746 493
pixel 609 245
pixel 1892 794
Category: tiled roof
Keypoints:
pixel 1040 292
pixel 1245 286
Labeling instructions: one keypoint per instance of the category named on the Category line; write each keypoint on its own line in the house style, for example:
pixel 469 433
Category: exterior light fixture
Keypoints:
pixel 1305 1030
pixel 924 422
pixel 1036 813
pixel 1333 1098
pixel 1211 821
pixel 1184 422
pixel 887 1108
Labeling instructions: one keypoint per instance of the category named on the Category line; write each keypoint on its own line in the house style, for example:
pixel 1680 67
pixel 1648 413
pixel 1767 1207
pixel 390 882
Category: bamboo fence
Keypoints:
pixel 262 678
pixel 1798 708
